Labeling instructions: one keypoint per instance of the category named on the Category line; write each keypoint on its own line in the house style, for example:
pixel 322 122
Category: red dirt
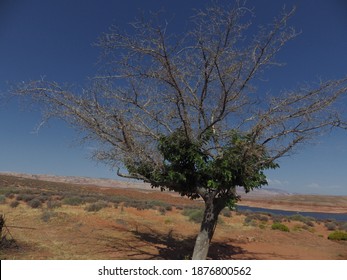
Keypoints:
pixel 128 233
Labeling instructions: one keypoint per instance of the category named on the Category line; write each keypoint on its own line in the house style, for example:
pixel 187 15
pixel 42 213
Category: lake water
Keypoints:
pixel 316 215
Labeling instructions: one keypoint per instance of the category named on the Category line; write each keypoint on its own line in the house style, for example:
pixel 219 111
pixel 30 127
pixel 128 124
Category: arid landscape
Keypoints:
pixel 49 217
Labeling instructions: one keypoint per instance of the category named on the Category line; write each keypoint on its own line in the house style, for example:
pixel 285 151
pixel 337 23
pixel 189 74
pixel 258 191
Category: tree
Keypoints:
pixel 182 112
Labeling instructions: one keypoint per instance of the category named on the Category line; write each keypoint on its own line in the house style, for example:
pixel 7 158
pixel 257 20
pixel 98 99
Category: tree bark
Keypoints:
pixel 212 209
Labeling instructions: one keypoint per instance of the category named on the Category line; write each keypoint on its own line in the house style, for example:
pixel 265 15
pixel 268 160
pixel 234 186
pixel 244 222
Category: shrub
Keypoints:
pixel 26 197
pixel 97 206
pixel 278 218
pixel 73 200
pixel 157 203
pixel 249 221
pixel 279 226
pixel 90 199
pixel 168 208
pixel 47 215
pixel 43 198
pixel 2 199
pixel 14 204
pixel 259 217
pixel 262 226
pixel 167 221
pixel 51 204
pixel 196 215
pixel 338 235
pixel 306 220
pixel 330 225
pixel 343 226
pixel 35 203
pixel 9 195
pixel 162 210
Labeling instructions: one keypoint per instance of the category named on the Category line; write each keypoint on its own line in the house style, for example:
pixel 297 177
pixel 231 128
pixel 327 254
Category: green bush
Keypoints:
pixel 157 203
pixel 25 197
pixel 279 226
pixel 168 208
pixel 47 215
pixel 343 226
pixel 249 221
pixel 73 200
pixel 10 195
pixel 14 204
pixel 278 218
pixel 162 210
pixel 35 203
pixel 2 199
pixel 194 215
pixel 306 220
pixel 97 206
pixel 338 235
pixel 330 225
pixel 90 199
pixel 53 204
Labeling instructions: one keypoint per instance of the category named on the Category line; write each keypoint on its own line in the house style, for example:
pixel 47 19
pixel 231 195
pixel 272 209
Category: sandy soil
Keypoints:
pixel 70 232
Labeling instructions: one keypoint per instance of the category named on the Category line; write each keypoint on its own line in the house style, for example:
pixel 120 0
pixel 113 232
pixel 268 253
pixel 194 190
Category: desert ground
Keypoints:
pixel 60 220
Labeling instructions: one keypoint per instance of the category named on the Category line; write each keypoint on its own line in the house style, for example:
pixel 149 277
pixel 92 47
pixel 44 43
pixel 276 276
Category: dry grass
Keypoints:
pixel 141 230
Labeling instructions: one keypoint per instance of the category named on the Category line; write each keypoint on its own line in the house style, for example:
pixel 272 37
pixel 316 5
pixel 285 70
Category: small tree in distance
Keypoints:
pixel 182 112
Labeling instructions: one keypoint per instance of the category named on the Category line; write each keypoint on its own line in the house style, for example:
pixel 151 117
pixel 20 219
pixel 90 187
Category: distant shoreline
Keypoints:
pixel 260 198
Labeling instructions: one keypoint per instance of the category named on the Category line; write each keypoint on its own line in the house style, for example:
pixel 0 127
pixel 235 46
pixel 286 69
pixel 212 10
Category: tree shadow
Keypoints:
pixel 150 244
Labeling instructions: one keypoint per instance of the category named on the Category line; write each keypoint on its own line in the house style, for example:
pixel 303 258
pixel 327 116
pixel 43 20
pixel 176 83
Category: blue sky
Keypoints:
pixel 54 39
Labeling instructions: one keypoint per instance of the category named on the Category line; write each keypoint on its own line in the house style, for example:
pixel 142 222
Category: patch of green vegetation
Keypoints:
pixel 14 204
pixel 338 235
pixel 252 219
pixel 97 206
pixel 35 203
pixel 343 226
pixel 73 200
pixel 331 225
pixel 47 215
pixel 278 218
pixel 26 197
pixel 51 204
pixel 168 221
pixel 168 208
pixel 157 203
pixel 162 210
pixel 279 226
pixel 194 215
pixel 2 199
pixel 309 221
pixel 262 226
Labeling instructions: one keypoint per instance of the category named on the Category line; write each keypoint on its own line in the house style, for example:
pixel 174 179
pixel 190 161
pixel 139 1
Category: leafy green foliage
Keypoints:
pixel 338 235
pixel 194 215
pixel 279 226
pixel 190 164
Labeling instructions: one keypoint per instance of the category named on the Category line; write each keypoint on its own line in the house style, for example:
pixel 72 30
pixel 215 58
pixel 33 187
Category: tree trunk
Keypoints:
pixel 212 209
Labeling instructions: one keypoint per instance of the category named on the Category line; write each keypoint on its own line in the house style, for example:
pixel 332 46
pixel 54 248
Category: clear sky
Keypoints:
pixel 54 39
